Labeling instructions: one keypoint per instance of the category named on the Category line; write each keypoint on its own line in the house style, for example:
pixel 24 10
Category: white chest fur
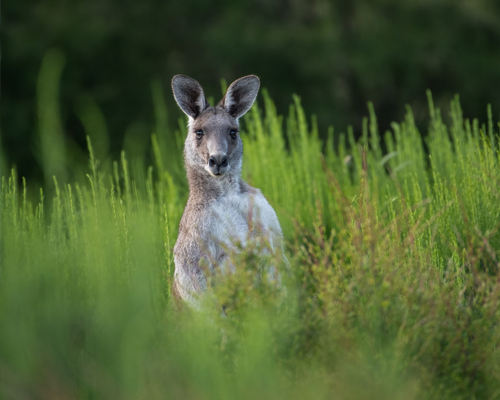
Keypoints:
pixel 239 217
pixel 227 224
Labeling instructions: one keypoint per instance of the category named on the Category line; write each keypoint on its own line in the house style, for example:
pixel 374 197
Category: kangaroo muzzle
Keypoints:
pixel 217 164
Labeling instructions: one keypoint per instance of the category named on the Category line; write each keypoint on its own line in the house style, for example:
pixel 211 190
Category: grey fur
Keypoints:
pixel 240 95
pixel 189 95
pixel 222 209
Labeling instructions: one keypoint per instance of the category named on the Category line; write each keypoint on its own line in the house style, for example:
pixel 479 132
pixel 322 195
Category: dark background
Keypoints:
pixel 336 55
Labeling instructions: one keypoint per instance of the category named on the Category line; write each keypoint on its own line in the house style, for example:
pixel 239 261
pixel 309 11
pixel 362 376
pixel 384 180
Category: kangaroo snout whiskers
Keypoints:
pixel 218 164
pixel 222 209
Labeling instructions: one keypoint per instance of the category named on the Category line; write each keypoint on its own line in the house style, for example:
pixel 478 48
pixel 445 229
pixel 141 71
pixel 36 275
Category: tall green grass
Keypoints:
pixel 393 242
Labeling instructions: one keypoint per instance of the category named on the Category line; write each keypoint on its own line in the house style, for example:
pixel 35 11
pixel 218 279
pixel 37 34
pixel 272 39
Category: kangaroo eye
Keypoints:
pixel 199 134
pixel 233 133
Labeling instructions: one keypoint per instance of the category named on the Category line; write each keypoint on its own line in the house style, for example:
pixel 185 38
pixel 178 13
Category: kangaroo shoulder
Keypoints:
pixel 246 189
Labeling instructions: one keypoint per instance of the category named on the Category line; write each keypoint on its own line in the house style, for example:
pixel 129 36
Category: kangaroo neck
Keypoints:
pixel 204 187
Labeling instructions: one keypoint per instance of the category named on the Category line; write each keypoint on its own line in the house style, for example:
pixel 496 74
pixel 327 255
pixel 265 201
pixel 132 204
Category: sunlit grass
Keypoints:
pixel 393 242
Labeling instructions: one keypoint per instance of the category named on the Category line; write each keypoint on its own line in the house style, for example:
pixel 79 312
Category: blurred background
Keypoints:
pixel 336 55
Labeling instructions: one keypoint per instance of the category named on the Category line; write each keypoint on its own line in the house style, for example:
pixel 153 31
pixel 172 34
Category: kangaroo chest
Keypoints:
pixel 236 218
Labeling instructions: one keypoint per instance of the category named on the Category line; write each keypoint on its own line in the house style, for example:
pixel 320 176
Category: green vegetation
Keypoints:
pixel 393 242
pixel 336 54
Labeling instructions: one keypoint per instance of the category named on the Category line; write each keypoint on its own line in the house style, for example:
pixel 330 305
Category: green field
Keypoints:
pixel 393 242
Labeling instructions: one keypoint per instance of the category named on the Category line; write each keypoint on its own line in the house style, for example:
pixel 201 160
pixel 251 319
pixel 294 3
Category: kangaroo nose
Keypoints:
pixel 219 160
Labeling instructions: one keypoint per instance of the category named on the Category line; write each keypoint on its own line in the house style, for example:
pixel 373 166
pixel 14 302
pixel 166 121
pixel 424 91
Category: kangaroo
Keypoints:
pixel 222 210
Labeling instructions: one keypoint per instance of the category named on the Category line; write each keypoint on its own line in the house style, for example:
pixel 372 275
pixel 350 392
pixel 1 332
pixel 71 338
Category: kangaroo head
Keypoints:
pixel 213 144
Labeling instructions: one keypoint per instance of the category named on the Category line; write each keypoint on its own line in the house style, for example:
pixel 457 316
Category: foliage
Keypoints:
pixel 392 290
pixel 337 54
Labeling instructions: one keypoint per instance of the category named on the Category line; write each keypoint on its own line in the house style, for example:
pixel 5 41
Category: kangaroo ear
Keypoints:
pixel 241 95
pixel 189 95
